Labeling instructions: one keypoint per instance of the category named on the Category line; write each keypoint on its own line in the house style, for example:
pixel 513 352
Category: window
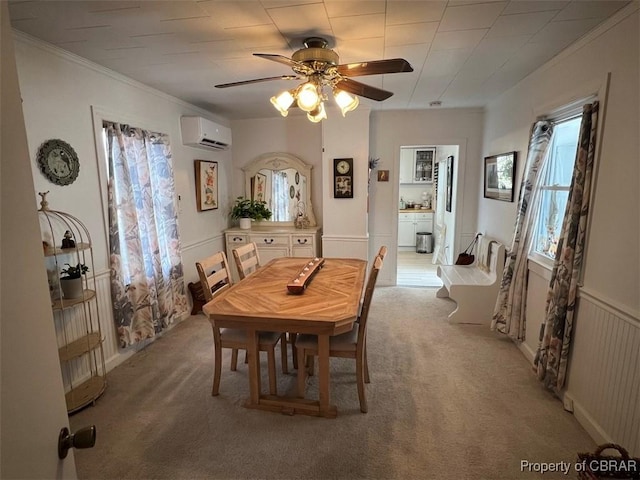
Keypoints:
pixel 554 186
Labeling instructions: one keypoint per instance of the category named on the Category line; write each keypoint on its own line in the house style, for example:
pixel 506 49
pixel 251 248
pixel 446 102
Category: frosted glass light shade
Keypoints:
pixel 345 101
pixel 282 102
pixel 308 97
pixel 318 114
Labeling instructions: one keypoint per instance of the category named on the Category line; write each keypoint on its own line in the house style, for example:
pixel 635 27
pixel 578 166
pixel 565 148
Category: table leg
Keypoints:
pixel 323 373
pixel 253 358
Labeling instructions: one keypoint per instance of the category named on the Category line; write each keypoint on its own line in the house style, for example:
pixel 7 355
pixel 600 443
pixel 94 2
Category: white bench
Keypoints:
pixel 473 288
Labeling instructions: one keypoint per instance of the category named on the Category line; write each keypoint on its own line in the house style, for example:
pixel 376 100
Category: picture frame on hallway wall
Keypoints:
pixel 499 171
pixel 449 189
pixel 206 185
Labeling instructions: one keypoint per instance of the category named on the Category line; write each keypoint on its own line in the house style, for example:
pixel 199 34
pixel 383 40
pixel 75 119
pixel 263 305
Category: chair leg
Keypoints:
pixel 302 372
pixel 367 379
pixel 294 350
pixel 360 381
pixel 217 370
pixel 271 367
pixel 234 359
pixel 283 353
pixel 311 364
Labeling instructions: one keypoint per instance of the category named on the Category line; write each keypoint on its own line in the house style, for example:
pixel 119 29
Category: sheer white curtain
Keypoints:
pixel 280 199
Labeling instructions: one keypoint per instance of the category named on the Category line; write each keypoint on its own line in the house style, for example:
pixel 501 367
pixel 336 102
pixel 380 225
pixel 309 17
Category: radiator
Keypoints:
pixel 604 372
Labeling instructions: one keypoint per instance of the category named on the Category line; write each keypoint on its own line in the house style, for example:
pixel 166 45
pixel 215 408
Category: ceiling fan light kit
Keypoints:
pixel 345 101
pixel 283 101
pixel 317 65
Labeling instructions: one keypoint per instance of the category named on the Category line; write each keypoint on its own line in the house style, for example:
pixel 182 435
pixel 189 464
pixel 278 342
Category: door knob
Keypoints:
pixel 83 438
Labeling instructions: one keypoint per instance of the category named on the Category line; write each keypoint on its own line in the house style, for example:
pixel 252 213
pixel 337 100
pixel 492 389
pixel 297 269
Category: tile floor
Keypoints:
pixel 416 270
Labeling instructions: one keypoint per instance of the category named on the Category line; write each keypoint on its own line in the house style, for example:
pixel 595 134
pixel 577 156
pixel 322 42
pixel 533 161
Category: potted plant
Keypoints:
pixel 246 210
pixel 71 282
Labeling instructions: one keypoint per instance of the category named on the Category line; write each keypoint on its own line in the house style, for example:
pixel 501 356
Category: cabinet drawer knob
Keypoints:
pixel 237 239
pixel 302 241
pixel 268 241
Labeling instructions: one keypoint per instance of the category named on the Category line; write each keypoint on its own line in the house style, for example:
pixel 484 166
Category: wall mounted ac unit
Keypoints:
pixel 202 133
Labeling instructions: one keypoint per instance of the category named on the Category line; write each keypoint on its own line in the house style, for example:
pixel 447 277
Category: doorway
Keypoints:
pixel 423 216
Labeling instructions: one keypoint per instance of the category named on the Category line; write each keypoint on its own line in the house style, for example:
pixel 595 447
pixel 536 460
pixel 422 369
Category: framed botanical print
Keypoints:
pixel 206 185
pixel 498 176
pixel 343 178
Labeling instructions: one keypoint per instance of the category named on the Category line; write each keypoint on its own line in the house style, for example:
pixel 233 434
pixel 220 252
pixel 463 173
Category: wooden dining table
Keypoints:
pixel 261 302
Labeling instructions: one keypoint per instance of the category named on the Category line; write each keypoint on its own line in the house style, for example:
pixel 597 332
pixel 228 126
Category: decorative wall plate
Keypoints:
pixel 58 162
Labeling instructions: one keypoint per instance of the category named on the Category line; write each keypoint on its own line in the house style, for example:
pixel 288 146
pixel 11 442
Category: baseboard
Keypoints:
pixel 588 423
pixel 527 351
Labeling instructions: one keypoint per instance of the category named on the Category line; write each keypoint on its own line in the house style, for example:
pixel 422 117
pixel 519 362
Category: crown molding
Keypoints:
pixel 592 35
pixel 83 62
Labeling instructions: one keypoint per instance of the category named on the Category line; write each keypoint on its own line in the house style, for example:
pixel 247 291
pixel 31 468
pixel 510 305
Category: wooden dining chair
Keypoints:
pixel 348 345
pixel 382 252
pixel 247 261
pixel 215 278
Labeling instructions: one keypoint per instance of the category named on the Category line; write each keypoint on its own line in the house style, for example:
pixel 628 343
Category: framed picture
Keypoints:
pixel 206 185
pixel 343 178
pixel 449 192
pixel 383 175
pixel 498 176
pixel 259 186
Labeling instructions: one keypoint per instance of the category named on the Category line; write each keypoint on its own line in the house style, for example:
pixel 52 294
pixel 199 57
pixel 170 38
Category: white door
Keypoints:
pixel 33 407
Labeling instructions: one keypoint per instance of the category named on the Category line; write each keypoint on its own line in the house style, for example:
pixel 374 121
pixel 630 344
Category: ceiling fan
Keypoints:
pixel 318 65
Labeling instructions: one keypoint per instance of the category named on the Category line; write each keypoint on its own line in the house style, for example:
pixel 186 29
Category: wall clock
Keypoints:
pixel 343 178
pixel 58 162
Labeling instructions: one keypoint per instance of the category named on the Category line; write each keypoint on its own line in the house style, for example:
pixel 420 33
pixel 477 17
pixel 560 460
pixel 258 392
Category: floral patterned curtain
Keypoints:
pixel 147 287
pixel 509 313
pixel 553 351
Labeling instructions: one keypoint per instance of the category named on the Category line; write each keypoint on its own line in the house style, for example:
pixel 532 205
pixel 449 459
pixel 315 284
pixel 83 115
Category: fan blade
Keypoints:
pixel 363 90
pixel 376 67
pixel 258 80
pixel 280 59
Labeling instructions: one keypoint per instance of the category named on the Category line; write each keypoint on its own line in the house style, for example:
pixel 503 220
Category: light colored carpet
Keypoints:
pixel 445 402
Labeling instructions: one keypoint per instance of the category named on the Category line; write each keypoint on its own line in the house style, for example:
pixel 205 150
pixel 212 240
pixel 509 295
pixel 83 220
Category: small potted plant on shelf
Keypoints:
pixel 71 282
pixel 246 210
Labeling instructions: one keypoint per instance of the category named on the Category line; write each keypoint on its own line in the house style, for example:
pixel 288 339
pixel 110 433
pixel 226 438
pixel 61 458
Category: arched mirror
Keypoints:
pixel 284 182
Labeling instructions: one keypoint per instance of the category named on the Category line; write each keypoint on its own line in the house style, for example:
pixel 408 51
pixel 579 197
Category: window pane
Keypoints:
pixel 555 189
pixel 552 205
pixel 563 153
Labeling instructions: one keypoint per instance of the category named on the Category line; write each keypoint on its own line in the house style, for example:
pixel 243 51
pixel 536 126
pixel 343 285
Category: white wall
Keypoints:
pixel 390 130
pixel 58 92
pixel 345 221
pixel 79 85
pixel 612 262
pixel 293 134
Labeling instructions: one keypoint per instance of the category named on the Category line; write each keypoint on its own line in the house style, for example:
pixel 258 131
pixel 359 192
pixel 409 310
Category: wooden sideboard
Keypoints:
pixel 274 242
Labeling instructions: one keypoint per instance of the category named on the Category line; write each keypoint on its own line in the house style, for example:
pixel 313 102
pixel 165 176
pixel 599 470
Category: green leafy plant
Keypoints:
pixel 246 208
pixel 74 272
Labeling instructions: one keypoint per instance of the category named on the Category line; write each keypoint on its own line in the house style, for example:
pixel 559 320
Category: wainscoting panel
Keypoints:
pixel 71 326
pixel 75 372
pixel 604 372
pixel 345 247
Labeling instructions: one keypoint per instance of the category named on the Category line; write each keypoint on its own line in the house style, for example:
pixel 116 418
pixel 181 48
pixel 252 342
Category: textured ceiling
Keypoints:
pixel 464 52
